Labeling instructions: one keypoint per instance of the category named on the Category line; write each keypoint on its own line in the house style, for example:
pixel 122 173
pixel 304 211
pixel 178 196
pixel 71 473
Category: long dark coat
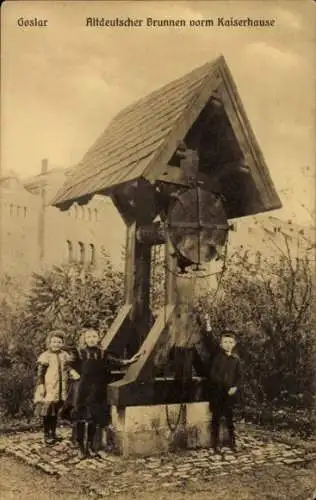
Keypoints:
pixel 89 398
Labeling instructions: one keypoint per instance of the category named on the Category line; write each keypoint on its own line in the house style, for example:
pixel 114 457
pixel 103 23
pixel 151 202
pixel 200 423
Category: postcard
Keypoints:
pixel 157 249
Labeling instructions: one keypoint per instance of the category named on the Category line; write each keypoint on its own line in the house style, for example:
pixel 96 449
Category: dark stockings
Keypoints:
pixel 222 407
pixel 50 424
pixel 85 434
pixel 46 425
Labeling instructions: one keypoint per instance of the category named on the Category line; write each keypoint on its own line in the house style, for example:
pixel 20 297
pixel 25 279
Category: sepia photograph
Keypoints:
pixel 157 250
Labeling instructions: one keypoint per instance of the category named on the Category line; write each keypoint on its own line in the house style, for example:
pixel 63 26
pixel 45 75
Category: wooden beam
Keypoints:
pixel 231 168
pixel 130 263
pixel 155 167
pixel 153 234
pixel 176 176
pixel 247 142
pixel 126 211
pixel 117 335
pixel 158 391
pixel 141 316
pixel 155 348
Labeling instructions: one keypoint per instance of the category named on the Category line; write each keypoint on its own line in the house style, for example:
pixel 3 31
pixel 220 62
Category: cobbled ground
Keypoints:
pixel 112 474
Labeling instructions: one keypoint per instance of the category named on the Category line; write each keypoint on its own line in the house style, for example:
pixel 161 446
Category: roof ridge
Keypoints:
pixel 141 139
pixel 169 84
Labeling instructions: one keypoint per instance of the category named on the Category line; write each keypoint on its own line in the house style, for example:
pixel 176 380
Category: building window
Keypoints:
pixel 11 209
pixel 92 254
pixel 89 214
pixel 81 252
pixel 25 211
pixel 18 210
pixel 96 217
pixel 80 212
pixel 69 251
pixel 76 211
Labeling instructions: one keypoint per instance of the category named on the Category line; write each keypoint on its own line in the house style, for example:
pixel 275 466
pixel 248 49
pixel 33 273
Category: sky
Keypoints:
pixel 61 85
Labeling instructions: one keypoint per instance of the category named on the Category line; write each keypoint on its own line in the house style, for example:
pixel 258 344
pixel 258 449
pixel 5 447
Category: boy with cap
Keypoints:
pixel 225 378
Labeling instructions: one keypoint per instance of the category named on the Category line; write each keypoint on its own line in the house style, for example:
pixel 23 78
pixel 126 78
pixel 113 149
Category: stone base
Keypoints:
pixel 152 430
pixel 198 425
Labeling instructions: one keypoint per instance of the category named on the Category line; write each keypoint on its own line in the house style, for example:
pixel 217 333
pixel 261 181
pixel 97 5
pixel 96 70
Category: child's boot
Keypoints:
pixel 82 439
pixel 47 437
pixel 53 427
pixel 232 440
pixel 91 440
pixel 215 437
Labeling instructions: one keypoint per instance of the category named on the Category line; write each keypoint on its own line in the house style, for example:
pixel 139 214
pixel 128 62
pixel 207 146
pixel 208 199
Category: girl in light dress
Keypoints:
pixel 53 373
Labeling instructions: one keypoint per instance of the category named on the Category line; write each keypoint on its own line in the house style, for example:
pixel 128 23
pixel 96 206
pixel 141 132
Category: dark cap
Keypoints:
pixel 229 332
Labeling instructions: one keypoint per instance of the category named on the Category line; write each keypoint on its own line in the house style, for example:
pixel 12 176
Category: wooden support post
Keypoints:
pixel 141 314
pixel 130 262
pixel 171 271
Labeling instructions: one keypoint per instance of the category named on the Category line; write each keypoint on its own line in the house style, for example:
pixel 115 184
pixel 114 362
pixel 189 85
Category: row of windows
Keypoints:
pixel 18 211
pixel 80 213
pixel 84 213
pixel 79 252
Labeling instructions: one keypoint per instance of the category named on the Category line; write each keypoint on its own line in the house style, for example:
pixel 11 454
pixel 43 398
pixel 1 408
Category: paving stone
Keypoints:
pixel 102 492
pixel 31 460
pixel 46 468
pixel 177 474
pixel 147 474
pixel 230 456
pixel 184 466
pixel 170 485
pixel 128 473
pixel 152 466
pixel 204 466
pixel 289 461
pixel 172 470
pixel 165 474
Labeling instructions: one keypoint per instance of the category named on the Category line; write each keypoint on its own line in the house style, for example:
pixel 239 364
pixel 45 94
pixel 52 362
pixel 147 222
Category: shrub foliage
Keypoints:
pixel 69 297
pixel 273 312
pixel 270 306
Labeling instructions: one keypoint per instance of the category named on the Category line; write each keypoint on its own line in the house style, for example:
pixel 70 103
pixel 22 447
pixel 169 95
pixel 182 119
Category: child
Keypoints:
pixel 90 407
pixel 224 375
pixel 52 382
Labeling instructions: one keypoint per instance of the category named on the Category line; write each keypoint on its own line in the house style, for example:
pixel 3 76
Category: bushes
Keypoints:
pixel 16 389
pixel 271 308
pixel 70 298
pixel 272 311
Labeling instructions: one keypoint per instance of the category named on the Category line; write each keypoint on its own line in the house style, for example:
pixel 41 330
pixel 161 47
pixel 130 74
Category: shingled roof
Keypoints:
pixel 142 138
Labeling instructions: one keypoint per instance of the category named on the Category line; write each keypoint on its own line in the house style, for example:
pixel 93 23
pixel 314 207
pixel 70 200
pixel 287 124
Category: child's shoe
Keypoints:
pixel 83 452
pixel 215 450
pixel 92 451
pixel 232 444
pixel 57 439
pixel 48 440
pixel 94 454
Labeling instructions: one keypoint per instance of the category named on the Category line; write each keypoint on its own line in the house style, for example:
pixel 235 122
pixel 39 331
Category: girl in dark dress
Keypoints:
pixel 91 409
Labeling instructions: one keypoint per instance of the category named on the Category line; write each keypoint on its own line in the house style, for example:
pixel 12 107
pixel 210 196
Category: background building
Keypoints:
pixel 266 238
pixel 35 236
